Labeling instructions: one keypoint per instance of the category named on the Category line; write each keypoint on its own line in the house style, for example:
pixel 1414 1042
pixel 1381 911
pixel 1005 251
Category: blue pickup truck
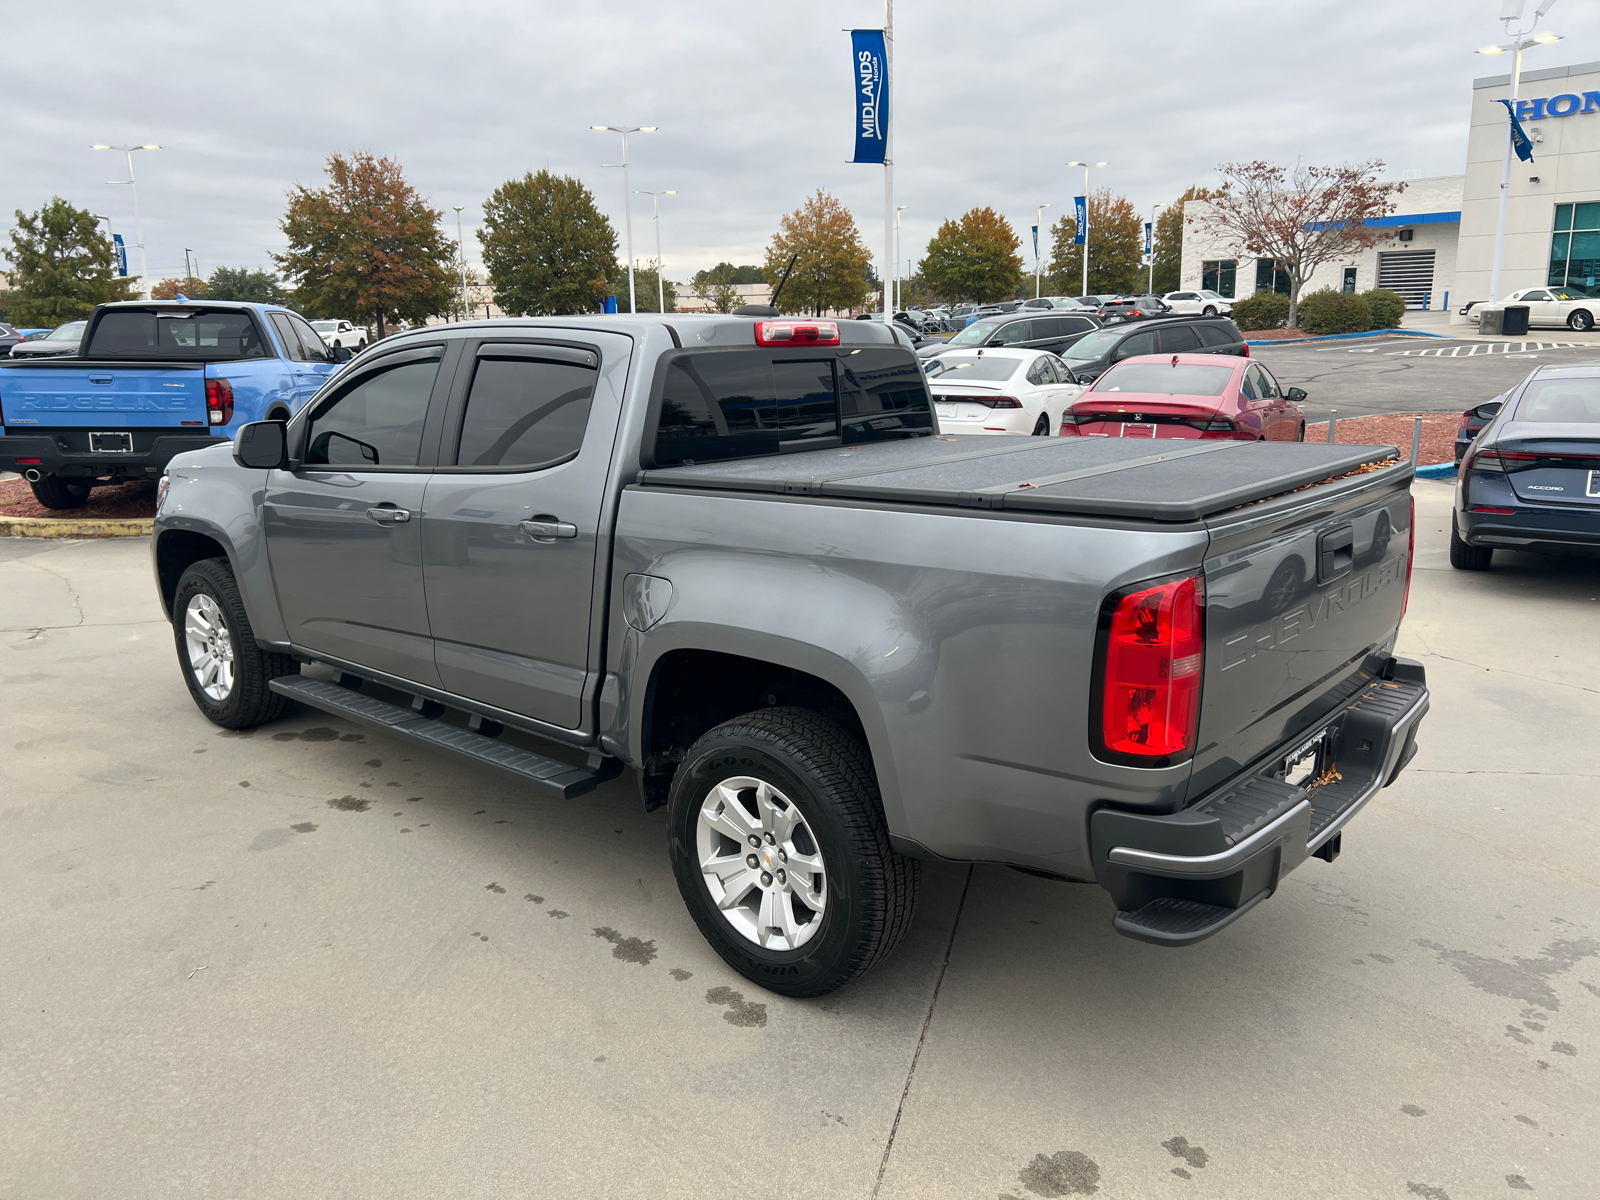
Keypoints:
pixel 153 379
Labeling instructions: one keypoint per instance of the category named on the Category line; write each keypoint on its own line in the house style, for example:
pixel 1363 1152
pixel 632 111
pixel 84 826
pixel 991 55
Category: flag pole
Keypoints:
pixel 888 158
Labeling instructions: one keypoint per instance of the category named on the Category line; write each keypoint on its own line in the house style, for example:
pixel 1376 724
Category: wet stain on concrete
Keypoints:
pixel 350 804
pixel 236 733
pixel 1179 1147
pixel 1427 1192
pixel 1181 1173
pixel 1533 1025
pixel 405 831
pixel 495 888
pixel 304 827
pixel 1564 1048
pixel 534 899
pixel 1412 1110
pixel 558 914
pixel 1591 989
pixel 1383 958
pixel 244 783
pixel 374 762
pixel 319 734
pixel 680 974
pixel 271 839
pixel 1518 1184
pixel 1516 1035
pixel 745 1013
pixel 628 949
pixel 834 1117
pixel 600 1058
pixel 502 821
pixel 1521 978
pixel 412 799
pixel 1064 1173
pixel 1527 1120
pixel 480 812
pixel 205 885
pixel 482 937
pixel 354 737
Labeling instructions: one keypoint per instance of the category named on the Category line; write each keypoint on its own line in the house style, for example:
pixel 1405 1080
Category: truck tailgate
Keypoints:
pixel 70 395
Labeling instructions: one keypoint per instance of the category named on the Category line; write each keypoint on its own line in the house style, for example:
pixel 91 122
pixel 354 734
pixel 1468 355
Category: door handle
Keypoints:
pixel 548 529
pixel 389 515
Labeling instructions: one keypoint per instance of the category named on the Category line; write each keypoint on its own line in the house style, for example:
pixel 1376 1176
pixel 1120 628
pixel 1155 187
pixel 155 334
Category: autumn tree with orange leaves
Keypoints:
pixel 366 246
pixel 973 258
pixel 831 262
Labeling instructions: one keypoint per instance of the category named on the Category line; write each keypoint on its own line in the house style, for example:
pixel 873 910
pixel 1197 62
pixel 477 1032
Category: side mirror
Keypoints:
pixel 343 354
pixel 1295 394
pixel 262 445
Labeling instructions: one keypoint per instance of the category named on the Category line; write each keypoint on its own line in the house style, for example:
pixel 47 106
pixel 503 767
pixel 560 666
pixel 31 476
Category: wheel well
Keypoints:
pixel 692 691
pixel 277 413
pixel 176 552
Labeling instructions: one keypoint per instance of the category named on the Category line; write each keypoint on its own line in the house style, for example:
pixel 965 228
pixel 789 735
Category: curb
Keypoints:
pixel 1437 471
pixel 69 527
pixel 1334 337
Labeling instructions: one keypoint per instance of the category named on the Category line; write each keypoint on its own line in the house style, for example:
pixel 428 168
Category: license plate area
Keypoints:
pixel 1132 429
pixel 111 443
pixel 1593 489
pixel 1302 765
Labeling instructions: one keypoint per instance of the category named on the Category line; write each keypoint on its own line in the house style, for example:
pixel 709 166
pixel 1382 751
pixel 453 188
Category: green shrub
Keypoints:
pixel 1329 311
pixel 1388 308
pixel 1264 310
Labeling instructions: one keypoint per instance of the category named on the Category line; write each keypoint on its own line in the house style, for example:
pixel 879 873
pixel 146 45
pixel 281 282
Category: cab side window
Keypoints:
pixel 291 342
pixel 525 412
pixel 376 422
pixel 311 344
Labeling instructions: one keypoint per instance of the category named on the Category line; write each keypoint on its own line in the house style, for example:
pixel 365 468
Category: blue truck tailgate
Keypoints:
pixel 80 395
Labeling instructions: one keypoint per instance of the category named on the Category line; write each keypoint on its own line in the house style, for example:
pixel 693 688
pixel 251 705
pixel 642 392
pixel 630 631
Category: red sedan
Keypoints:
pixel 1188 396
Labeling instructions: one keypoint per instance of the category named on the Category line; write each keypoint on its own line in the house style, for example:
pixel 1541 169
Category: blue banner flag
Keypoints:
pixel 1036 242
pixel 122 255
pixel 872 95
pixel 1147 237
pixel 1080 214
pixel 1519 139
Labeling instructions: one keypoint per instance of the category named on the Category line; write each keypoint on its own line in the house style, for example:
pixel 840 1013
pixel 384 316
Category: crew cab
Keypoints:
pixel 736 557
pixel 152 379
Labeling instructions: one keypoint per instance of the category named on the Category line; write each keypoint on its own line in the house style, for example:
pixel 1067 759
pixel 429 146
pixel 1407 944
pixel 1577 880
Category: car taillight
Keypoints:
pixel 1081 418
pixel 1218 424
pixel 219 401
pixel 1467 416
pixel 1411 555
pixel 995 401
pixel 797 333
pixel 1152 655
pixel 1498 512
pixel 1247 349
pixel 1496 460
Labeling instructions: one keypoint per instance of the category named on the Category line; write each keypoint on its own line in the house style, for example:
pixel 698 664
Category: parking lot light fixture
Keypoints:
pixel 627 194
pixel 1038 268
pixel 898 300
pixel 461 250
pixel 138 225
pixel 1086 166
pixel 1154 208
pixel 655 204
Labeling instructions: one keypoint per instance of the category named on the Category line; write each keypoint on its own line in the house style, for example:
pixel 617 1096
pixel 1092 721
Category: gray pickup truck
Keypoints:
pixel 735 555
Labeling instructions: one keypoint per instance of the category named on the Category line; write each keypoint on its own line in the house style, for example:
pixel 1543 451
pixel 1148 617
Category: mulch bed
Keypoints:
pixel 1394 429
pixel 125 501
pixel 1280 335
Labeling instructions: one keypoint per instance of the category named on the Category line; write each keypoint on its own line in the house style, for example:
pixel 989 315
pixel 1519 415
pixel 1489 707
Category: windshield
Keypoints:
pixel 965 369
pixel 72 331
pixel 1093 345
pixel 975 334
pixel 325 326
pixel 1561 402
pixel 1185 379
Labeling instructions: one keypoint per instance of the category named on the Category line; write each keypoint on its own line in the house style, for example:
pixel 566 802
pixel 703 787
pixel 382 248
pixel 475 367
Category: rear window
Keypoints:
pixel 179 334
pixel 961 368
pixel 747 404
pixel 1218 335
pixel 1162 379
pixel 1561 402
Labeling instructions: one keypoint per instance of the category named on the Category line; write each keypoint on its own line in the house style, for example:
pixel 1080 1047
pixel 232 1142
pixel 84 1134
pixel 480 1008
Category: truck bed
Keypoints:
pixel 1151 479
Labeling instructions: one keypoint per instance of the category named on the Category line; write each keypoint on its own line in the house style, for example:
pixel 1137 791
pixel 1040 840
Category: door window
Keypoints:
pixel 286 334
pixel 1536 295
pixel 1265 383
pixel 1139 343
pixel 1014 333
pixel 1179 339
pixel 376 422
pixel 311 343
pixel 1071 325
pixel 524 412
pixel 1247 386
pixel 1216 335
pixel 1039 373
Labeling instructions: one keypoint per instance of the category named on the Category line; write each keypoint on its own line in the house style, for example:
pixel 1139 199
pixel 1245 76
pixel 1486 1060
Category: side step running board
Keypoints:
pixel 562 779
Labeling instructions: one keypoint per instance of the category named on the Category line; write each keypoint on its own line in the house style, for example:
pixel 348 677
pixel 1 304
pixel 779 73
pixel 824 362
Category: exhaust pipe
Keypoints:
pixel 32 475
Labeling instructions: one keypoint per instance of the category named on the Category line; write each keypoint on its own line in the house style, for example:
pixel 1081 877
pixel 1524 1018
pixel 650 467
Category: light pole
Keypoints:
pixel 1038 268
pixel 1152 284
pixel 655 205
pixel 1519 41
pixel 627 194
pixel 461 251
pixel 138 225
pixel 188 271
pixel 898 209
pixel 1085 229
pixel 110 233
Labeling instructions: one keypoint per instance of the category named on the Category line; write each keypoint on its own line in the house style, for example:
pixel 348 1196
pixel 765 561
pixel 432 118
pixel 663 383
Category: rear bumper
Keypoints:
pixel 1179 878
pixel 67 453
pixel 1543 530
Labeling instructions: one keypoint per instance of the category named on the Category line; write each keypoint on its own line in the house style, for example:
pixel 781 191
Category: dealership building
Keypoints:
pixel 1437 248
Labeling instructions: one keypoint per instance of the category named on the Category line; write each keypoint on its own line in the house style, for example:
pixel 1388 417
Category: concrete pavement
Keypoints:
pixel 307 961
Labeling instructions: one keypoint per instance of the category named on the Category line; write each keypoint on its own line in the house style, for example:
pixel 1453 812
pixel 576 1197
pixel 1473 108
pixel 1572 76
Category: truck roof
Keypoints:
pixel 689 330
pixel 197 300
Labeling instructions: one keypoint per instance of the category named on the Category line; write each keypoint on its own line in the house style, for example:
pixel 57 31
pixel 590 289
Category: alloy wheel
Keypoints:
pixel 761 863
pixel 210 646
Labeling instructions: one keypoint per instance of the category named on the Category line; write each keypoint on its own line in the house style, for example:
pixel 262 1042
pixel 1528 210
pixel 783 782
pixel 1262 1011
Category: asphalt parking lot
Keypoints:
pixel 307 961
pixel 1362 376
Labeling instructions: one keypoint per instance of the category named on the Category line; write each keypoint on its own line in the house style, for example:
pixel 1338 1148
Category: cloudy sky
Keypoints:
pixel 753 100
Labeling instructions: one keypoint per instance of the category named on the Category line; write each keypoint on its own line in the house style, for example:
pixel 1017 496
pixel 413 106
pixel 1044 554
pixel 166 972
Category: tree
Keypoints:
pixel 171 289
pixel 646 293
pixel 715 286
pixel 830 259
pixel 973 258
pixel 1169 241
pixel 366 245
pixel 1303 218
pixel 1116 243
pixel 61 266
pixel 548 248
pixel 241 283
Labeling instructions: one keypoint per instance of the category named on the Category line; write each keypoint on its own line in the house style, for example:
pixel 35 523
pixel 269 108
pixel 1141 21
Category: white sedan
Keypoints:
pixel 1201 301
pixel 341 333
pixel 1001 391
pixel 1553 308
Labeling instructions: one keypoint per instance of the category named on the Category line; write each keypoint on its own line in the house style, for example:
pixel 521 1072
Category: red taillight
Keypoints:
pixel 1498 512
pixel 33 461
pixel 219 401
pixel 995 401
pixel 1496 460
pixel 1215 424
pixel 1467 416
pixel 1153 654
pixel 797 333
pixel 1411 554
pixel 1247 349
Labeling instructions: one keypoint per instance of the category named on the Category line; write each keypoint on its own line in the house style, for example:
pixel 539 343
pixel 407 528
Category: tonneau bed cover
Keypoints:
pixel 1153 479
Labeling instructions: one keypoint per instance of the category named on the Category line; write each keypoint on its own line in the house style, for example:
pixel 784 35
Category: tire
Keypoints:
pixel 1302 434
pixel 1209 310
pixel 1580 321
pixel 1464 557
pixel 1041 427
pixel 60 494
pixel 867 892
pixel 207 606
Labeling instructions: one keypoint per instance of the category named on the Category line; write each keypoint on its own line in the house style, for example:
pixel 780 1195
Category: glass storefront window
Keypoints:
pixel 1575 255
pixel 1271 277
pixel 1218 276
pixel 1563 216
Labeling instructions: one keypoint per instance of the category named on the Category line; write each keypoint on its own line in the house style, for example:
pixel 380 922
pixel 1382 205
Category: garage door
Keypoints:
pixel 1409 272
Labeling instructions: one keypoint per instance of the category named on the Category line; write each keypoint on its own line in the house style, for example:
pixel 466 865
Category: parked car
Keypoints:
pixel 151 380
pixel 10 337
pixel 1027 329
pixel 60 342
pixel 1549 308
pixel 33 331
pixel 1201 300
pixel 1531 479
pixel 1473 421
pixel 1091 355
pixel 341 333
pixel 737 560
pixel 1193 396
pixel 1000 391
pixel 1069 303
pixel 1133 308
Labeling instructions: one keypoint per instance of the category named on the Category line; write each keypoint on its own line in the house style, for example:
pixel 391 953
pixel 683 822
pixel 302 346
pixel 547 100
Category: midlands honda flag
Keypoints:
pixel 872 95
pixel 1519 139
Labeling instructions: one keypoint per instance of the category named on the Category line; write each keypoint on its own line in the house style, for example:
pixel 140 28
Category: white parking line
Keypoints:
pixel 1472 349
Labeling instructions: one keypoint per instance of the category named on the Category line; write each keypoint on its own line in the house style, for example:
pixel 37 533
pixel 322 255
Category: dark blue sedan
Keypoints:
pixel 1531 479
